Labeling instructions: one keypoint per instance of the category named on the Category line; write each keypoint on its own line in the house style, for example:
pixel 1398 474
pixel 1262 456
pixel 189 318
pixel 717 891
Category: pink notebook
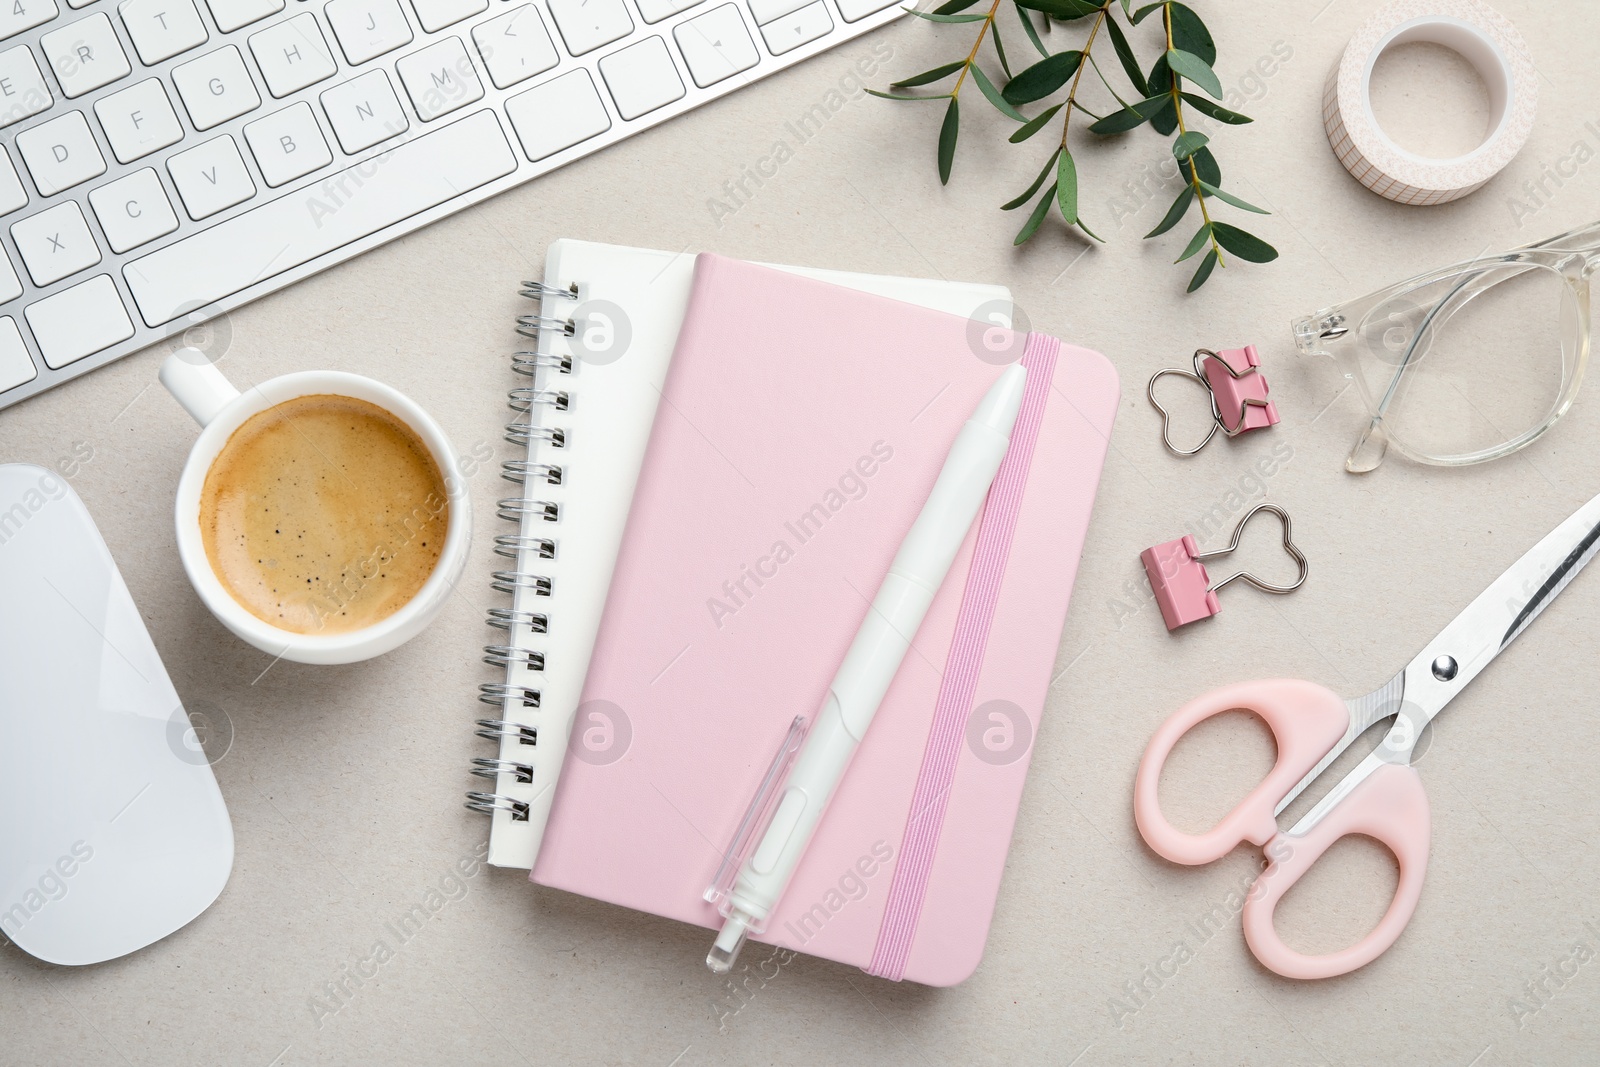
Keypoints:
pixel 801 428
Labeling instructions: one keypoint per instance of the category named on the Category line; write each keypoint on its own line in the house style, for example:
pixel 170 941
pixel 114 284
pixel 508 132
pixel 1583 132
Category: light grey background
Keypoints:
pixel 345 783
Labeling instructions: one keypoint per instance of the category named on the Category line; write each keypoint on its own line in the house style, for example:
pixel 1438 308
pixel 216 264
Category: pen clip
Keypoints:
pixel 754 823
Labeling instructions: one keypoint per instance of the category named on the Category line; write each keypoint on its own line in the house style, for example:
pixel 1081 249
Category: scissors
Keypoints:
pixel 1383 796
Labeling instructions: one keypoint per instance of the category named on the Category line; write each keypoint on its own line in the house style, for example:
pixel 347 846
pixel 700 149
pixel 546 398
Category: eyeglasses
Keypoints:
pixel 1468 363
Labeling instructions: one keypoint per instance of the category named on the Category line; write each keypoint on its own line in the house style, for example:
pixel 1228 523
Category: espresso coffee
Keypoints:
pixel 324 514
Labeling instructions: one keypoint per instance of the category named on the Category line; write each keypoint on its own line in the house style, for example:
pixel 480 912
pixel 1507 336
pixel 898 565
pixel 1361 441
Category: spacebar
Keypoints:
pixel 295 229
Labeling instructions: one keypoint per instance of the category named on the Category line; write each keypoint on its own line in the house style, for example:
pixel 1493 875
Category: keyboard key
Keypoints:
pixel 797 28
pixel 133 210
pixel 715 45
pixel 764 11
pixel 558 114
pixel 16 366
pixel 440 78
pixel 211 177
pixel 232 14
pixel 19 15
pixel 12 195
pixel 587 24
pixel 138 120
pixel 656 10
pixel 23 91
pixel 61 153
pixel 162 28
pixel 10 284
pixel 514 46
pixel 79 322
pixel 437 14
pixel 292 55
pixel 215 88
pixel 856 10
pixel 55 243
pixel 364 111
pixel 641 77
pixel 297 228
pixel 85 55
pixel 288 144
pixel 366 29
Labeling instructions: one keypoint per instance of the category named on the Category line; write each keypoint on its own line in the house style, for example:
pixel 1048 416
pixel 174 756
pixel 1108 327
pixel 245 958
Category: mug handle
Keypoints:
pixel 196 383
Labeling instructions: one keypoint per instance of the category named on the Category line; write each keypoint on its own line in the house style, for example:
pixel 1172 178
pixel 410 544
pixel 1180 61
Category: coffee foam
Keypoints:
pixel 324 514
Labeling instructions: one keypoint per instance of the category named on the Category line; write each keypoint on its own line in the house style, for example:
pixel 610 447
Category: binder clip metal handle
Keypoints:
pixel 1184 590
pixel 1233 380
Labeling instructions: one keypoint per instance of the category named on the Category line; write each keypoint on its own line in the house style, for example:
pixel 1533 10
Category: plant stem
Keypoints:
pixel 972 56
pixel 1194 172
pixel 1072 93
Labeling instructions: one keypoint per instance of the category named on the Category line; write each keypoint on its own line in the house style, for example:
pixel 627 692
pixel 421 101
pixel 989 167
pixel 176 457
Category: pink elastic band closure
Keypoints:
pixel 1241 401
pixel 962 669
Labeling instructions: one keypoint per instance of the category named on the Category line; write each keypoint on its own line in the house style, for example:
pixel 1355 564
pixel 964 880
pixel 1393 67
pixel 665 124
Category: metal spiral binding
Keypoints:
pixel 513 545
pixel 498 694
pixel 491 768
pixel 505 696
pixel 505 655
pixel 489 803
pixel 520 470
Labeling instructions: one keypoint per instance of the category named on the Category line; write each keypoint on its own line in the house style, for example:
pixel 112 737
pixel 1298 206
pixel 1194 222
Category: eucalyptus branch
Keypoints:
pixel 1162 101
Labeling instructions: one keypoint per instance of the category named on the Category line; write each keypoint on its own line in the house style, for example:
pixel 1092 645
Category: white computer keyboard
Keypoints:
pixel 166 160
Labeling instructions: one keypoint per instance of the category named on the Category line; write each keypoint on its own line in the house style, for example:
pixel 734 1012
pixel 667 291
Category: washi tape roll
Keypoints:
pixel 1483 37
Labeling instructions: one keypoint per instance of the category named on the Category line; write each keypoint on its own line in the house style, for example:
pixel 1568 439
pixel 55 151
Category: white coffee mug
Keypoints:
pixel 220 409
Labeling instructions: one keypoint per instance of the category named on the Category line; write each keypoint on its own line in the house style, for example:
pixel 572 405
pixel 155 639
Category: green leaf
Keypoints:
pixel 1174 213
pixel 1130 65
pixel 1065 10
pixel 1207 265
pixel 1160 80
pixel 1129 117
pixel 1221 114
pixel 932 16
pixel 1139 15
pixel 1043 78
pixel 1035 124
pixel 1229 198
pixel 947 139
pixel 1188 143
pixel 904 96
pixel 1039 212
pixel 1027 195
pixel 929 75
pixel 1031 30
pixel 1244 245
pixel 1195 69
pixel 1090 232
pixel 1197 242
pixel 1000 49
pixel 1067 187
pixel 1204 165
pixel 952 6
pixel 1190 34
pixel 987 88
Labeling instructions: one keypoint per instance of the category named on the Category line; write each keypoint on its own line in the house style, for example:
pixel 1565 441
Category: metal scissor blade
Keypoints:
pixel 1382 703
pixel 1499 614
pixel 1454 658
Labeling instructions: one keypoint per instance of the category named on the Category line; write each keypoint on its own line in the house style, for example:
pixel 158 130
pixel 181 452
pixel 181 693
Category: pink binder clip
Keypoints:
pixel 1238 391
pixel 1183 589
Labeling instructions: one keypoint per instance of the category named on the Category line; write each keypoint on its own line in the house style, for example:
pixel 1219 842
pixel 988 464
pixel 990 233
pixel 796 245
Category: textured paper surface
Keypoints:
pixel 345 783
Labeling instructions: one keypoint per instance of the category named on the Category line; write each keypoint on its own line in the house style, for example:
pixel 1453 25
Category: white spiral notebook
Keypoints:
pixel 603 336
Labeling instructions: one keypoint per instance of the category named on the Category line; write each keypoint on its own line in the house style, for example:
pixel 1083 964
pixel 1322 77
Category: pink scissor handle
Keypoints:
pixel 1389 805
pixel 1306 721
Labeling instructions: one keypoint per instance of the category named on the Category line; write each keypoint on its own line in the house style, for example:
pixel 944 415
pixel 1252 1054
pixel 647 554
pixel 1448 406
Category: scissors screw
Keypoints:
pixel 1444 668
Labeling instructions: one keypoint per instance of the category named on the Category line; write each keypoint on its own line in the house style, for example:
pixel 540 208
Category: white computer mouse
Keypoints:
pixel 113 832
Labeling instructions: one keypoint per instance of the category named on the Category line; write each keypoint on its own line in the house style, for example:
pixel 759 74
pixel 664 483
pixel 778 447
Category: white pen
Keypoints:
pixel 916 574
